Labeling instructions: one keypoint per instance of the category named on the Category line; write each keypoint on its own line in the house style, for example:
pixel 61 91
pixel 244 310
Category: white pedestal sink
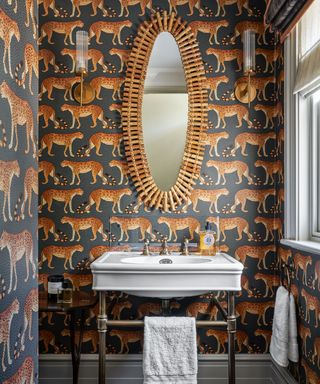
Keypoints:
pixel 166 276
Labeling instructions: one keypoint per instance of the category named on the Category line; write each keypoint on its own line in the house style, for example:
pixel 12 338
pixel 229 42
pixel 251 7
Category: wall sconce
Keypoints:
pixel 83 92
pixel 244 91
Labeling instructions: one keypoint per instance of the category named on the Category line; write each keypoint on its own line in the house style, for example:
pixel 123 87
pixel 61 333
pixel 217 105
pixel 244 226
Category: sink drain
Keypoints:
pixel 165 261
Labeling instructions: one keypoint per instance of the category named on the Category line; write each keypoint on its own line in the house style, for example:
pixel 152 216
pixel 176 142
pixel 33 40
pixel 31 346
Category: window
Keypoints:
pixel 309 30
pixel 302 130
pixel 315 165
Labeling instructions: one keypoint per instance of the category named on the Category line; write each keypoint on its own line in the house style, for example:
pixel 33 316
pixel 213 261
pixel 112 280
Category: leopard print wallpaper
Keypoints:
pixel 87 199
pixel 18 192
pixel 88 202
pixel 305 287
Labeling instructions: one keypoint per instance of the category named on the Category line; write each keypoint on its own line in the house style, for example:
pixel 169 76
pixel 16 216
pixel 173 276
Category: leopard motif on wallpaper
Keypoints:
pixel 18 192
pixel 82 151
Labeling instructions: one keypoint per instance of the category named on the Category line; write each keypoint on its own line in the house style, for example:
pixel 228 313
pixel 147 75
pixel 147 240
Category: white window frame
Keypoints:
pixel 298 158
pixel 315 167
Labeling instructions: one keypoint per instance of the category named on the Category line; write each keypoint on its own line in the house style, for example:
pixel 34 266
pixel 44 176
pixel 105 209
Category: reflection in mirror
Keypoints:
pixel 164 121
pixel 165 111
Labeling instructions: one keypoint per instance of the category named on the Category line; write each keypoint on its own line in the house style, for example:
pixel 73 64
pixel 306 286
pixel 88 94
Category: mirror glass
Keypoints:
pixel 165 111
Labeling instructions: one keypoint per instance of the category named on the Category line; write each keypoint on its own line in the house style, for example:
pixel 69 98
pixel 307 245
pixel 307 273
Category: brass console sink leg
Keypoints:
pixel 102 329
pixel 232 328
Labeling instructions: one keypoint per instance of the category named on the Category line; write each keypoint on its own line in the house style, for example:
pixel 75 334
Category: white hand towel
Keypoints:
pixel 170 350
pixel 293 350
pixel 280 328
pixel 284 344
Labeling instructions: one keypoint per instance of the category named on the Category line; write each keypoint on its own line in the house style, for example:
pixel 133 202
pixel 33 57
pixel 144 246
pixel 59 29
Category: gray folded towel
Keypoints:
pixel 284 344
pixel 293 349
pixel 170 350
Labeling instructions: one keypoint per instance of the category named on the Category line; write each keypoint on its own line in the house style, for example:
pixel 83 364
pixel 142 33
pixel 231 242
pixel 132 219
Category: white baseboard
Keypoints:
pixel 127 369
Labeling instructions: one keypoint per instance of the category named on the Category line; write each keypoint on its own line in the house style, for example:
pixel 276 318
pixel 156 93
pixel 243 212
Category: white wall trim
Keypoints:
pixel 127 369
pixel 282 375
pixel 306 246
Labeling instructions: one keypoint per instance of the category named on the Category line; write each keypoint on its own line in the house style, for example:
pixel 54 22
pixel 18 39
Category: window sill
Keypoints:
pixel 306 246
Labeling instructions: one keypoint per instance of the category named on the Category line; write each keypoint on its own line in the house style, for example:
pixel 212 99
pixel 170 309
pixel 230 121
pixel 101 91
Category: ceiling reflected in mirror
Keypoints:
pixel 165 70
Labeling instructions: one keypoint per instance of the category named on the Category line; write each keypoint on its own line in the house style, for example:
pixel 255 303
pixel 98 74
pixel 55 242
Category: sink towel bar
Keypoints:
pixel 229 323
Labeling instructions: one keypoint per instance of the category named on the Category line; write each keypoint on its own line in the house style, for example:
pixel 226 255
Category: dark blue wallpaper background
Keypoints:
pixel 250 211
pixel 18 189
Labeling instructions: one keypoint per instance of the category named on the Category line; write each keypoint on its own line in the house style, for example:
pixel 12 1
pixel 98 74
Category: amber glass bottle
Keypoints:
pixel 207 244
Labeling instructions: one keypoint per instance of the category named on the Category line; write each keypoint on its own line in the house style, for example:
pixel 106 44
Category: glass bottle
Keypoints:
pixel 207 241
pixel 54 283
pixel 65 293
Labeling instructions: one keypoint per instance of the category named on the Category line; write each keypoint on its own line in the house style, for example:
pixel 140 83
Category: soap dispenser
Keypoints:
pixel 207 241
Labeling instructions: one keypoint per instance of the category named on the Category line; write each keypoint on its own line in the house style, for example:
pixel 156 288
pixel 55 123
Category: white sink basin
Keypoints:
pixel 165 276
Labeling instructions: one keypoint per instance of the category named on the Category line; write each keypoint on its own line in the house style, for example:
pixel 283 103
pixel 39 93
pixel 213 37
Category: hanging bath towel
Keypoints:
pixel 284 329
pixel 170 350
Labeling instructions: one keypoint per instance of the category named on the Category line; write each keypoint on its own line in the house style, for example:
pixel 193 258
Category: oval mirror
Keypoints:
pixel 153 125
pixel 165 111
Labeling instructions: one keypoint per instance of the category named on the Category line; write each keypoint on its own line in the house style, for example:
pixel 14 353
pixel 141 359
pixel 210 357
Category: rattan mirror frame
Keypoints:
pixel 193 66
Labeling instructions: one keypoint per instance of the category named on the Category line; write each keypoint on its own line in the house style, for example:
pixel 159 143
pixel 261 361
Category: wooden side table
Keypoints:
pixel 81 302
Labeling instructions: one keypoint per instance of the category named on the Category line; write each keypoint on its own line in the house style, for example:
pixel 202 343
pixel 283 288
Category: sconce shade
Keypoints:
pixel 82 42
pixel 249 51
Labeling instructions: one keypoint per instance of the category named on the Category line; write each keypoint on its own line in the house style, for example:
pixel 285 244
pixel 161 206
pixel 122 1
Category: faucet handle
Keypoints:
pixel 185 247
pixel 146 250
pixel 164 247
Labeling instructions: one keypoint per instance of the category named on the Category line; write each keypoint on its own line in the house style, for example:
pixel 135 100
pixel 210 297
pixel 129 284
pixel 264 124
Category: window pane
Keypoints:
pixel 310 28
pixel 318 164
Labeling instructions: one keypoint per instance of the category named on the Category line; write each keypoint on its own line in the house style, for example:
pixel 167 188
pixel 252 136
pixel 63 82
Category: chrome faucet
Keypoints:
pixel 185 247
pixel 146 250
pixel 164 247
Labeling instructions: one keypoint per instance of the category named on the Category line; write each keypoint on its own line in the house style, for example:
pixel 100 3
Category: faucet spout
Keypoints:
pixel 164 247
pixel 185 247
pixel 146 250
